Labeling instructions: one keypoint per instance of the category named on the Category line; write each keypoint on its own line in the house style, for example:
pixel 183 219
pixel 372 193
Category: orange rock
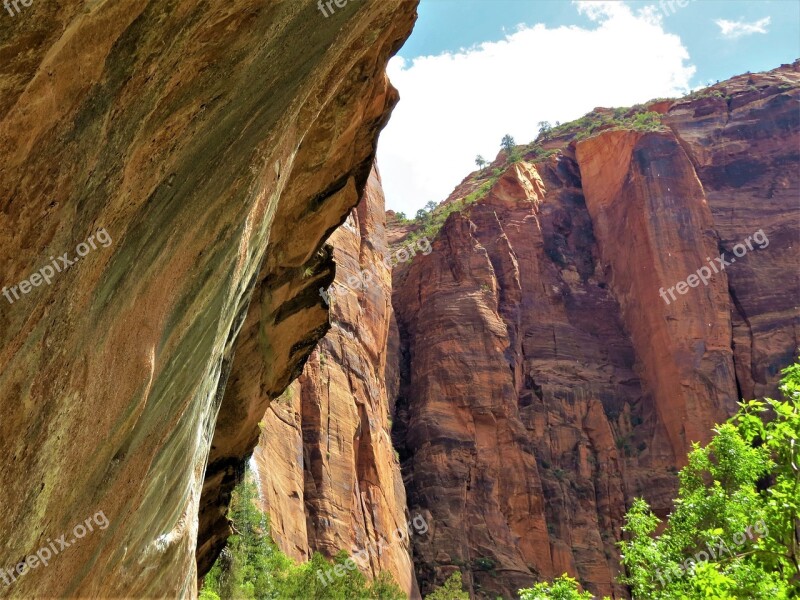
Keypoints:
pixel 201 137
pixel 544 382
pixel 326 445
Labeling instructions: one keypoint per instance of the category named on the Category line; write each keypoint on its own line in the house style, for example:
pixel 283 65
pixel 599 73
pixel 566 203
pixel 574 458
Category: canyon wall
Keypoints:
pixel 548 375
pixel 214 147
pixel 326 467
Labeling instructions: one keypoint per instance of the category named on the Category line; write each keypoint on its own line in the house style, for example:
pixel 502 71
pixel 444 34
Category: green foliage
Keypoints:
pixel 705 93
pixel 480 161
pixel 544 128
pixel 507 144
pixel 485 563
pixel 252 567
pixel 563 588
pixel 286 396
pixel 731 534
pixel 537 153
pixel 645 121
pixel 430 222
pixel 451 590
pixel 401 216
pixel 206 594
pixel 636 118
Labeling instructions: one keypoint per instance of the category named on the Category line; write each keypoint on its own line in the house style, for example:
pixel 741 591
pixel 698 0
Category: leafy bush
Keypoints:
pixel 507 143
pixel 430 222
pixel 252 567
pixel 646 121
pixel 563 588
pixel 635 117
pixel 451 590
pixel 732 532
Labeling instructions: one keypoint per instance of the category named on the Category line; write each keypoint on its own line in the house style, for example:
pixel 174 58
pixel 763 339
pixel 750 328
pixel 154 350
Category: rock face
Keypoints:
pixel 214 147
pixel 325 462
pixel 545 382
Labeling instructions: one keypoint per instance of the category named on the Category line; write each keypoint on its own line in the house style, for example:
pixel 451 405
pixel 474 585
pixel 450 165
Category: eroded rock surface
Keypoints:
pixel 326 466
pixel 544 382
pixel 218 145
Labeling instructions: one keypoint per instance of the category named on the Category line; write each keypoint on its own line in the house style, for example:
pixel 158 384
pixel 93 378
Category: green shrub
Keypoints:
pixel 563 588
pixel 429 223
pixel 740 496
pixel 507 144
pixel 452 589
pixel 744 481
pixel 252 567
pixel 647 121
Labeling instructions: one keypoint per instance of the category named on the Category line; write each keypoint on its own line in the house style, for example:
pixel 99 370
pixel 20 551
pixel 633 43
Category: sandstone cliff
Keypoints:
pixel 325 462
pixel 545 382
pixel 217 146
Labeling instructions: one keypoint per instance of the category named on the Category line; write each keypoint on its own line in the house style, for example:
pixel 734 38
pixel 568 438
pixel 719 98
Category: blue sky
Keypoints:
pixel 473 21
pixel 473 70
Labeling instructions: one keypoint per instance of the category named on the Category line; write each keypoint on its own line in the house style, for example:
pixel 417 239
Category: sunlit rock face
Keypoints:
pixel 326 467
pixel 544 380
pixel 216 146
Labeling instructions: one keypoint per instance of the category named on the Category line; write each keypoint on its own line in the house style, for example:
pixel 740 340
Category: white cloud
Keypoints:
pixel 456 105
pixel 737 29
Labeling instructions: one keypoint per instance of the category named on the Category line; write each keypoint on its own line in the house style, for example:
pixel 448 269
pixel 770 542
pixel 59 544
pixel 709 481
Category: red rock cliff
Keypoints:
pixel 545 382
pixel 325 462
pixel 217 145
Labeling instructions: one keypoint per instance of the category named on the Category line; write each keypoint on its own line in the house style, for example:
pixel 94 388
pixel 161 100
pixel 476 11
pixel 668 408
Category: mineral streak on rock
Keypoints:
pixel 219 144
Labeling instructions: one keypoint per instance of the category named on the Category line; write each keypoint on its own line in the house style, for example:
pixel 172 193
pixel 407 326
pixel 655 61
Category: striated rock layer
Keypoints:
pixel 326 466
pixel 216 145
pixel 545 382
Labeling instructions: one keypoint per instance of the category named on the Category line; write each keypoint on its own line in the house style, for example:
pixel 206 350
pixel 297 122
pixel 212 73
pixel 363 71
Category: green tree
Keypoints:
pixel 563 588
pixel 735 528
pixel 430 205
pixel 507 144
pixel 421 214
pixel 401 216
pixel 733 533
pixel 480 161
pixel 252 567
pixel 544 128
pixel 452 589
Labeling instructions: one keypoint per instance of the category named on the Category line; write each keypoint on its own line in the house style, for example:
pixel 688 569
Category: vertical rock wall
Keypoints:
pixel 326 466
pixel 545 382
pixel 217 145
